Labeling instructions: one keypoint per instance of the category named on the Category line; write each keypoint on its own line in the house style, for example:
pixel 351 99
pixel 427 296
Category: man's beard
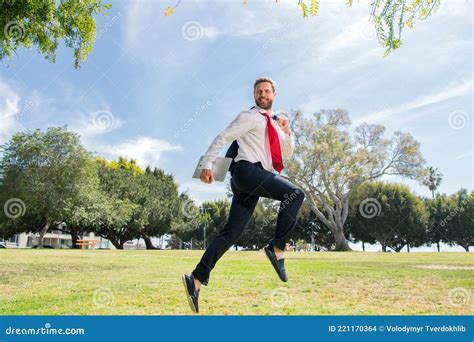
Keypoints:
pixel 264 104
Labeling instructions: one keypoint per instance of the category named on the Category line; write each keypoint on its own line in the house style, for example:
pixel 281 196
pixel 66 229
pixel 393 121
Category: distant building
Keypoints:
pixel 54 238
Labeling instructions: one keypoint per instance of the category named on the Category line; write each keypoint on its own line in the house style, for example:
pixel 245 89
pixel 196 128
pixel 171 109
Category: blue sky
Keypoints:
pixel 159 89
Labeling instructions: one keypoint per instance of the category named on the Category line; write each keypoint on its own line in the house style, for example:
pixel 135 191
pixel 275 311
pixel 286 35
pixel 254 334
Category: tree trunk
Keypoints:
pixel 398 248
pixel 117 243
pixel 336 227
pixel 148 243
pixel 408 248
pixel 74 238
pixel 466 247
pixel 437 246
pixel 363 246
pixel 43 232
pixel 384 248
pixel 341 242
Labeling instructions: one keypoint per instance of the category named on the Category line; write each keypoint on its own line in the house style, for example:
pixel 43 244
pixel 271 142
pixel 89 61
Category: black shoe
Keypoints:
pixel 278 265
pixel 192 294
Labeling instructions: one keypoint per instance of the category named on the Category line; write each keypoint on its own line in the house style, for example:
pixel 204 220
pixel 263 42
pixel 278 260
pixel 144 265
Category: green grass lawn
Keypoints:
pixel 59 282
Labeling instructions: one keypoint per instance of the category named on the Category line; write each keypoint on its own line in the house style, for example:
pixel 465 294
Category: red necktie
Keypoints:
pixel 275 148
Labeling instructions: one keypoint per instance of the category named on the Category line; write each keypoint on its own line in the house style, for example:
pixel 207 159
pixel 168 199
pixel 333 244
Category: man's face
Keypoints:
pixel 264 95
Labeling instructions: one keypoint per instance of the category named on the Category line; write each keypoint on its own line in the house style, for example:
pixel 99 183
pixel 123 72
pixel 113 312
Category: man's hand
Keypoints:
pixel 284 124
pixel 207 176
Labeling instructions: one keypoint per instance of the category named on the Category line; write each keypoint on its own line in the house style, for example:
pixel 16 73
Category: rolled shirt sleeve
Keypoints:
pixel 243 123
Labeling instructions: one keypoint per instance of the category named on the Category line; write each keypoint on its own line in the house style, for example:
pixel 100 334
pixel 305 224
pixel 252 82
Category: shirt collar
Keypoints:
pixel 261 110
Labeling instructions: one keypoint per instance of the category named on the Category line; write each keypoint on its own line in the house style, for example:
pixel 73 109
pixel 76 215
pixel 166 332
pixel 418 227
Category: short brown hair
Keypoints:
pixel 264 79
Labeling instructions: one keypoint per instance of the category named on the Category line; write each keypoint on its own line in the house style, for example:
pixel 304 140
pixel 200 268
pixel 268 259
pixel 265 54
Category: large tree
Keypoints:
pixel 330 162
pixel 390 214
pixel 119 181
pixel 438 208
pixel 159 201
pixel 152 193
pixel 99 213
pixel 44 174
pixel 459 221
pixel 45 23
pixel 452 219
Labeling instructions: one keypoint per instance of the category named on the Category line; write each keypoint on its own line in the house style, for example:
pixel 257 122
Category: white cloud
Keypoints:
pixel 9 112
pixel 446 94
pixel 362 30
pixel 145 150
pixel 151 37
pixel 96 123
pixel 462 155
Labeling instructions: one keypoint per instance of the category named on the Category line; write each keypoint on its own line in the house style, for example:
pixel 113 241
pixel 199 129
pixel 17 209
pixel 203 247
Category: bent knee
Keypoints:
pixel 299 193
pixel 296 195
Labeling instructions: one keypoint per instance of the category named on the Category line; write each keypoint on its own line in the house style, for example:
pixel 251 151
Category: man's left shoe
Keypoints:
pixel 192 294
pixel 278 265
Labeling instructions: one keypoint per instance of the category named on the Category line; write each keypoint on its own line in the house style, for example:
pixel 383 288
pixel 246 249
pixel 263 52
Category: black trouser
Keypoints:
pixel 249 182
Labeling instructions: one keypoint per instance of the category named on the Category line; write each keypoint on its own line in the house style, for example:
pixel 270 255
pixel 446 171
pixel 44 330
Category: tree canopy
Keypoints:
pixel 331 162
pixel 45 23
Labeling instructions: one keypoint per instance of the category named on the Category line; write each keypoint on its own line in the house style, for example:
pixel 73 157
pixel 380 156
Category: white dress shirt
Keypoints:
pixel 249 128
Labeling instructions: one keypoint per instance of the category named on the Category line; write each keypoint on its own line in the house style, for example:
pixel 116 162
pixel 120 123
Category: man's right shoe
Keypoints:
pixel 192 294
pixel 278 265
